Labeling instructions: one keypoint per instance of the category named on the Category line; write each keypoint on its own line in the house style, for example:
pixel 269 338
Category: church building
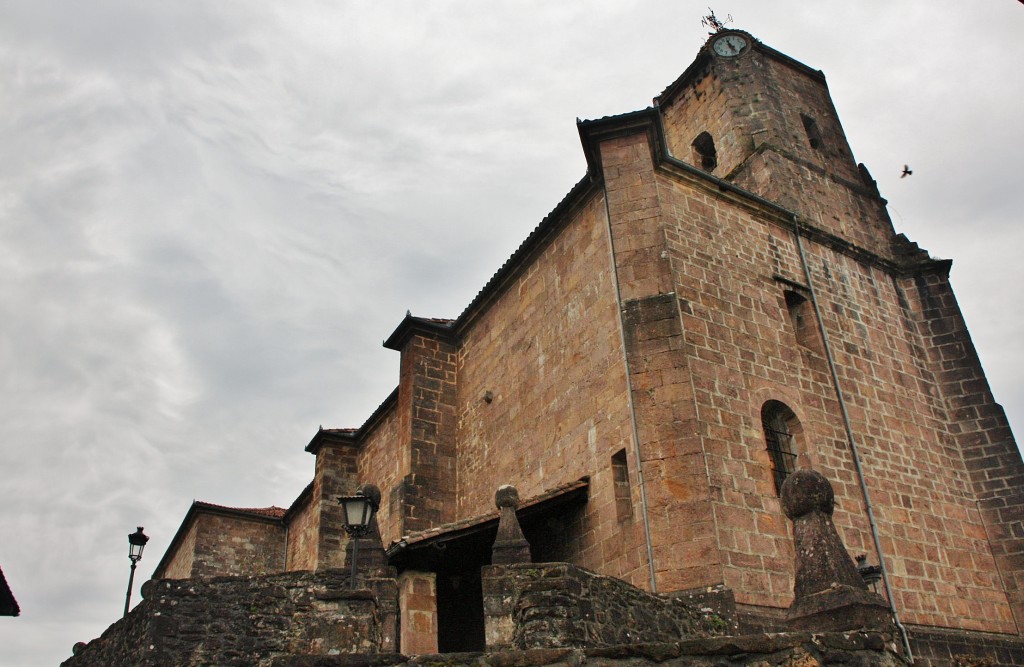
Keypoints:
pixel 719 301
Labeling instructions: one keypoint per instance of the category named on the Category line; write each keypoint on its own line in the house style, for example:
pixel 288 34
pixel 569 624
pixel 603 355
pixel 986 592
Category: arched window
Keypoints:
pixel 705 154
pixel 780 428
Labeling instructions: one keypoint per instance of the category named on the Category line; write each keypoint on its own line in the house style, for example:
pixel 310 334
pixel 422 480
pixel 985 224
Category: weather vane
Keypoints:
pixel 712 21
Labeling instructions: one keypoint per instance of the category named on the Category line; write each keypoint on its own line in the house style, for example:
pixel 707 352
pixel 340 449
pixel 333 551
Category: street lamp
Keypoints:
pixel 358 511
pixel 136 543
pixel 871 574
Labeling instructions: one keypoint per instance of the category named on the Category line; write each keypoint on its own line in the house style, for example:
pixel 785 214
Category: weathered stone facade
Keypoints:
pixel 865 649
pixel 247 621
pixel 725 258
pixel 227 541
pixel 545 605
pixel 552 613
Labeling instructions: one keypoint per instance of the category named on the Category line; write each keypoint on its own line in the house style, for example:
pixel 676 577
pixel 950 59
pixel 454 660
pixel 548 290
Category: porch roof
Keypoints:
pixel 475 535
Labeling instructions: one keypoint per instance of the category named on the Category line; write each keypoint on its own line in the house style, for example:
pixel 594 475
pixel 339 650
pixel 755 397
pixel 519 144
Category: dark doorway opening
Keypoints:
pixel 460 611
pixel 551 523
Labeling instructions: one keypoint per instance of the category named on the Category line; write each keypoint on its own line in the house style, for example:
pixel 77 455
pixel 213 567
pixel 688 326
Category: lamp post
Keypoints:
pixel 136 543
pixel 358 513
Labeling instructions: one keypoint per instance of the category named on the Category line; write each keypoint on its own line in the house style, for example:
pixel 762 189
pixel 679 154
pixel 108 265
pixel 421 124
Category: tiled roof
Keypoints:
pixel 480 519
pixel 273 511
pixel 436 320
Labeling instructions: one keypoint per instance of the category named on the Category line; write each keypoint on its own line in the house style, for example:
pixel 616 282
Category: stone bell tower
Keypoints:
pixel 759 119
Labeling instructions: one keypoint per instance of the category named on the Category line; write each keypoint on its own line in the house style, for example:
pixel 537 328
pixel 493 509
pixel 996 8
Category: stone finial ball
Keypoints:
pixel 506 496
pixel 806 491
pixel 370 491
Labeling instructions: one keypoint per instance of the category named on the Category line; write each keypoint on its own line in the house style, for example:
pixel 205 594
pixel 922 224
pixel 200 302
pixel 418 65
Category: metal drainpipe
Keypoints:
pixel 287 532
pixel 629 395
pixel 851 439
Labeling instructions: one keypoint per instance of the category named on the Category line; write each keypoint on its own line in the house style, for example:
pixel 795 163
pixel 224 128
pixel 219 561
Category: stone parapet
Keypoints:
pixel 867 649
pixel 247 621
pixel 560 605
pixel 934 647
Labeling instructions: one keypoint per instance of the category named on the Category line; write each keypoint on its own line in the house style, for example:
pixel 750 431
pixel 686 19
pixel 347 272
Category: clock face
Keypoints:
pixel 730 45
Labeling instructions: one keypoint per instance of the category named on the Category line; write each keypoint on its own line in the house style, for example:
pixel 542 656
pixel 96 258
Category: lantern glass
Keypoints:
pixel 358 511
pixel 136 543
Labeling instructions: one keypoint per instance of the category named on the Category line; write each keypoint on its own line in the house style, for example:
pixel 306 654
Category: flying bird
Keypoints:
pixel 906 169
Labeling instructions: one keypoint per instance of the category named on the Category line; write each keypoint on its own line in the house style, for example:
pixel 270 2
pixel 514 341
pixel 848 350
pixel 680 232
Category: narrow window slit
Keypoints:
pixel 620 477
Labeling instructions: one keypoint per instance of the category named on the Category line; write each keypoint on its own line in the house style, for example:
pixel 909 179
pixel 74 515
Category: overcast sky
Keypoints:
pixel 212 213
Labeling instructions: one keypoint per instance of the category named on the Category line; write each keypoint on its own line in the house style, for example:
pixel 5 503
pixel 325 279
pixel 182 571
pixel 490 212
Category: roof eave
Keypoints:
pixel 410 326
pixel 330 436
pixel 593 132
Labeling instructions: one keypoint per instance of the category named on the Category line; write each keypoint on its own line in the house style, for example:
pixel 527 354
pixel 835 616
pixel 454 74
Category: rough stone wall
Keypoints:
pixel 941 648
pixel 779 650
pixel 548 349
pixel 383 462
pixel 742 351
pixel 240 621
pixel 336 475
pixel 546 605
pixel 303 530
pixel 231 545
pixel 179 566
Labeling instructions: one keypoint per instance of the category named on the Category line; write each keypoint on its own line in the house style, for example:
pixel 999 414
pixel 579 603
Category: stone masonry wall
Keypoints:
pixel 546 605
pixel 542 393
pixel 179 566
pixel 864 649
pixel 230 545
pixel 427 416
pixel 752 106
pixel 336 475
pixel 731 268
pixel 941 648
pixel 979 429
pixel 686 552
pixel 241 621
pixel 418 613
pixel 382 462
pixel 303 532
